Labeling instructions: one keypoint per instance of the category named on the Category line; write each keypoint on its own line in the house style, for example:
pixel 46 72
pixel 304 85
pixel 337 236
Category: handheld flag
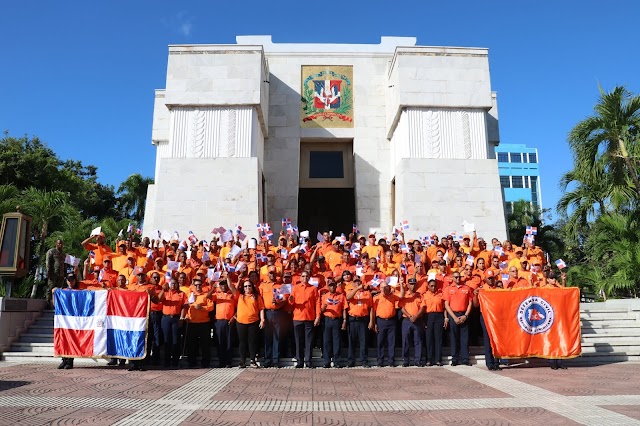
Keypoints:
pixel 531 230
pixel 129 228
pixel 121 233
pixel 205 256
pixel 192 237
pixel 560 264
pixel 96 231
pixel 355 228
pixel 286 222
pixel 404 225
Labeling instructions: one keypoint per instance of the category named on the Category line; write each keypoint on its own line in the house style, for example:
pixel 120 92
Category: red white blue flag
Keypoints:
pixel 327 94
pixel 100 324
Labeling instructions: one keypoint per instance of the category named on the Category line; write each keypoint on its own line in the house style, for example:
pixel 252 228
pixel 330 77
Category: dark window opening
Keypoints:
pixel 503 157
pixel 516 181
pixel 326 165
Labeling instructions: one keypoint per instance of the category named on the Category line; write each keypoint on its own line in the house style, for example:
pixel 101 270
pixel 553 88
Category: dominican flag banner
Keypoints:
pixel 533 322
pixel 100 324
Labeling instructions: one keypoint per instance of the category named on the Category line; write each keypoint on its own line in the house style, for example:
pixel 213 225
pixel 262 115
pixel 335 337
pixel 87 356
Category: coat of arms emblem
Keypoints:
pixel 327 96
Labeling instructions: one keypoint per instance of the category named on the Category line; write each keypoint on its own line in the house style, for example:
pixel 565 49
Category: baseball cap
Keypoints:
pixel 488 273
pixel 466 237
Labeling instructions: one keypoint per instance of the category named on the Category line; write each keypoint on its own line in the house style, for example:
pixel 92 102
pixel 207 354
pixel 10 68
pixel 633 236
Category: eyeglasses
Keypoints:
pixel 456 276
pixel 248 286
pixel 304 276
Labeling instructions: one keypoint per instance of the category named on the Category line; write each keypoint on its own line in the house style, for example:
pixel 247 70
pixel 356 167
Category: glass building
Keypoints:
pixel 519 174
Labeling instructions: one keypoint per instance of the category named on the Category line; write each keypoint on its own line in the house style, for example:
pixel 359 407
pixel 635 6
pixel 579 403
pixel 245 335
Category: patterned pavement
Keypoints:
pixel 39 394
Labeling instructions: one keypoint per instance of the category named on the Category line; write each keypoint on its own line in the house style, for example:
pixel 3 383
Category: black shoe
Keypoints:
pixel 326 366
pixel 253 364
pixel 336 365
pixel 310 367
pixel 405 364
pixel 430 364
pixel 351 365
pixel 242 365
pixel 439 364
pixel 562 367
pixel 62 364
pixel 132 367
pixel 380 365
pixel 113 362
pixel 467 363
pixel 266 365
pixel 554 367
pixel 142 368
pixel 366 365
pixel 298 365
pixel 454 363
pixel 122 362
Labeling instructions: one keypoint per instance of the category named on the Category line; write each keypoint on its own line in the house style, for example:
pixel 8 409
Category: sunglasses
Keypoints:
pixel 248 286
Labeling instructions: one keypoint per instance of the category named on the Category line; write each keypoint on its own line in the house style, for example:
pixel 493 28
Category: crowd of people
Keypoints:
pixel 276 301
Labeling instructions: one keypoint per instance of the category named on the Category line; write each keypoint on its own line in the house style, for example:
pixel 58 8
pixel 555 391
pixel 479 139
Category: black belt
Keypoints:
pixel 173 316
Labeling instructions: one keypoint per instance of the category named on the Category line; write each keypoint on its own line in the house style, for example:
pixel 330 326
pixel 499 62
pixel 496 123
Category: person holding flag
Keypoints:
pixel 305 300
pixel 334 310
pixel 98 247
pixel 412 308
pixel 361 315
pixel 174 311
pixel 384 310
pixel 198 333
pixel 491 362
pixel 225 318
pixel 274 303
pixel 250 318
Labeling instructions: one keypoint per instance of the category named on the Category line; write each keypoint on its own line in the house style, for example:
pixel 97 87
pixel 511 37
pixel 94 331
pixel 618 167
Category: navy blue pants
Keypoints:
pixel 433 336
pixel 331 343
pixel 358 335
pixel 199 340
pixel 303 331
pixel 223 341
pixel 154 340
pixel 489 360
pixel 412 330
pixel 171 339
pixel 459 336
pixel 386 340
pixel 272 330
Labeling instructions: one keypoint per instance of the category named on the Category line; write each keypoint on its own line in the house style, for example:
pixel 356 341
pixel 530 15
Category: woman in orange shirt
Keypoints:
pixel 250 319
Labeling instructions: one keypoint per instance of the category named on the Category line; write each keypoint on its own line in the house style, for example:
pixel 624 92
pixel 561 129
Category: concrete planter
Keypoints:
pixel 15 317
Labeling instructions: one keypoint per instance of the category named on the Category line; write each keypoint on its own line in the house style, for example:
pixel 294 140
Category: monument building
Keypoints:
pixel 328 135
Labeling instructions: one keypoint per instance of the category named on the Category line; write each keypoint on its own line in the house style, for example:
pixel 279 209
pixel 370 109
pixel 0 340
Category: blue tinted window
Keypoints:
pixel 503 157
pixel 326 165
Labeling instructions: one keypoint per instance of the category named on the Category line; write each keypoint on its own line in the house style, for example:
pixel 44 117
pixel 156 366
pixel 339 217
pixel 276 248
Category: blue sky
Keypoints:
pixel 81 75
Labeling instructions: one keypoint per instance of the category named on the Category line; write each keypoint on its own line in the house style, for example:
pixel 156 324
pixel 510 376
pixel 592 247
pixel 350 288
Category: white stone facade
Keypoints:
pixel 228 136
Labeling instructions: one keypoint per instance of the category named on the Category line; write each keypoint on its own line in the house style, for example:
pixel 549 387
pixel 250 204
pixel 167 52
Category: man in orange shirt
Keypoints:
pixel 334 310
pixel 274 303
pixel 458 301
pixel 108 275
pixel 305 300
pixel 174 311
pixel 437 321
pixel 412 309
pixel 225 304
pixel 119 259
pixel 372 249
pixel 360 315
pixel 198 331
pixel 384 307
pixel 100 248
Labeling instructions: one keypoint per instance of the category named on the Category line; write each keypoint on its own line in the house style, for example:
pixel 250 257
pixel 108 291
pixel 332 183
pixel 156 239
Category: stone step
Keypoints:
pixel 590 315
pixel 36 337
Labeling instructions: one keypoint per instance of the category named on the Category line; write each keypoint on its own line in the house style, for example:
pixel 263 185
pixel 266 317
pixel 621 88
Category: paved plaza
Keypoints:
pixel 40 394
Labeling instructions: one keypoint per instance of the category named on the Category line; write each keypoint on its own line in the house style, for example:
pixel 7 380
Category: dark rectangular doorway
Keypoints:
pixel 326 209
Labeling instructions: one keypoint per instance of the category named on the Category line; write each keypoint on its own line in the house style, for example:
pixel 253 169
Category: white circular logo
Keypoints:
pixel 535 315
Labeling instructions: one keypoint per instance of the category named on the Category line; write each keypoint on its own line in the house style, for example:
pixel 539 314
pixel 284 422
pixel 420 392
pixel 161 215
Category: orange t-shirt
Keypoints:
pixel 173 302
pixel 374 252
pixel 225 305
pixel 385 305
pixel 197 315
pixel 249 308
pixel 266 291
pixel 458 297
pixel 99 251
pixel 360 303
pixel 336 304
pixel 412 303
pixel 306 303
pixel 433 302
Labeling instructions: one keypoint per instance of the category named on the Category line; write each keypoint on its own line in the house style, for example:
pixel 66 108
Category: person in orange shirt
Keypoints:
pixel 325 245
pixel 185 268
pixel 437 321
pixel 388 264
pixel 225 304
pixel 533 253
pixel 99 248
pixel 198 331
pixel 384 308
pixel 480 251
pixel 119 259
pixel 250 319
pixel 360 315
pixel 174 311
pixel 373 249
pixel 490 361
pixel 334 310
pixel 514 280
pixel 458 302
pixel 155 315
pixel 108 275
pixel 345 265
pixel 412 309
pixel 274 303
pixel 305 300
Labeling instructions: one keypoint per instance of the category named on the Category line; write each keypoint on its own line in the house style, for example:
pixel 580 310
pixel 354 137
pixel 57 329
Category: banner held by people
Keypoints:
pixel 533 322
pixel 100 324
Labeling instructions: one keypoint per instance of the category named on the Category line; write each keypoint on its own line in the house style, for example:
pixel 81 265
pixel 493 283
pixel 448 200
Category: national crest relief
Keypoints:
pixel 327 96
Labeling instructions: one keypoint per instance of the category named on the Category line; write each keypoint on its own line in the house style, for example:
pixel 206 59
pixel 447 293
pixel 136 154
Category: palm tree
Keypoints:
pixel 44 207
pixel 8 198
pixel 611 135
pixel 133 195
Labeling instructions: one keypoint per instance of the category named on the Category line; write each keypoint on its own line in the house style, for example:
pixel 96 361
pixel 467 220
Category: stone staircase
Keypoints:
pixel 610 333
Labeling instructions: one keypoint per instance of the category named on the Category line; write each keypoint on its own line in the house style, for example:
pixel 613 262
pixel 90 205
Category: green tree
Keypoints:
pixel 8 198
pixel 133 196
pixel 610 135
pixel 44 207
